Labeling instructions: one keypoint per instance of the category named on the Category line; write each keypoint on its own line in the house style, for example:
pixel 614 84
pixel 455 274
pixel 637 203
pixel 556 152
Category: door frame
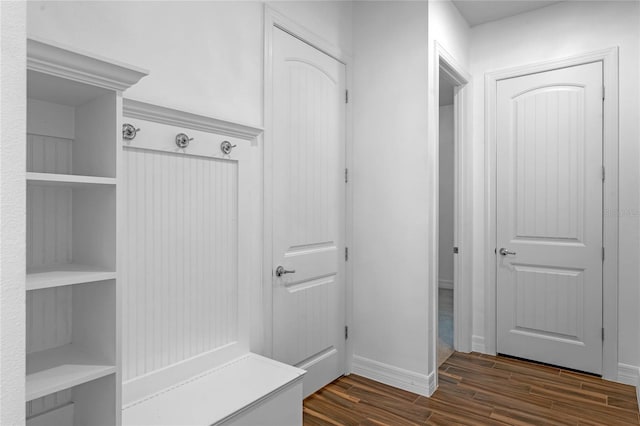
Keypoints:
pixel 609 58
pixel 262 337
pixel 446 65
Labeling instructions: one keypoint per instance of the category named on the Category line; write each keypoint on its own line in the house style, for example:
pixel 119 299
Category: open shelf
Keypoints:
pixel 67 180
pixel 61 275
pixel 61 368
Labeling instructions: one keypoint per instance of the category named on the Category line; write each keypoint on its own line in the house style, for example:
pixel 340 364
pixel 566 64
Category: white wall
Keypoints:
pixel 445 202
pixel 12 212
pixel 332 21
pixel 389 177
pixel 203 57
pixel 558 31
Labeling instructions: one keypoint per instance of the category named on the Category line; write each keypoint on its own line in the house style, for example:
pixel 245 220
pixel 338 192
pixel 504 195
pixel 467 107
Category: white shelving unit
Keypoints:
pixel 74 124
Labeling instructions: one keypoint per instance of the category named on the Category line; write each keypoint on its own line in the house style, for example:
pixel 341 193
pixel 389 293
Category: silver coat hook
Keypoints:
pixel 182 140
pixel 226 147
pixel 129 132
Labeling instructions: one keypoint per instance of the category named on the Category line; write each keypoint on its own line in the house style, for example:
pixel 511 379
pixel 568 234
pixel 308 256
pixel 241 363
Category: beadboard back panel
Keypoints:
pixel 47 154
pixel 49 402
pixel 48 208
pixel 179 257
pixel 49 226
pixel 49 322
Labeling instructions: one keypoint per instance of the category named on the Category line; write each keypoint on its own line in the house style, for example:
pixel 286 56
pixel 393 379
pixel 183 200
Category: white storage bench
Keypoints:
pixel 250 390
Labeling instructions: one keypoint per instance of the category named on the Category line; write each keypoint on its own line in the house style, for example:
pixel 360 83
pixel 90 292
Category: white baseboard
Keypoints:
pixel 629 374
pixel 394 376
pixel 445 284
pixel 477 344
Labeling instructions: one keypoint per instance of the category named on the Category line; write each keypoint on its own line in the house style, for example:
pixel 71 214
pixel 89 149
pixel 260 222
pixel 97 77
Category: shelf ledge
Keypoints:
pixel 67 180
pixel 61 275
pixel 61 368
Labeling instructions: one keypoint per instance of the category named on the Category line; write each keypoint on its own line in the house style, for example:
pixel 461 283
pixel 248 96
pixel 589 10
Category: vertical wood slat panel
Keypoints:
pixel 48 318
pixel 179 258
pixel 48 311
pixel 49 402
pixel 47 154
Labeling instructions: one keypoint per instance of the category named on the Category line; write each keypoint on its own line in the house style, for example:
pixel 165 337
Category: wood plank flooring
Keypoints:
pixel 477 389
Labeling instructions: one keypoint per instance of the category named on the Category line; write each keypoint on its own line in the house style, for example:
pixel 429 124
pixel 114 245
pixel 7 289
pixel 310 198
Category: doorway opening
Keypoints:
pixel 456 189
pixel 446 214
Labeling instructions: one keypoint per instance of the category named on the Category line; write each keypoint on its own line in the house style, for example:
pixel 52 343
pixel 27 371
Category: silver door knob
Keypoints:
pixel 503 251
pixel 280 271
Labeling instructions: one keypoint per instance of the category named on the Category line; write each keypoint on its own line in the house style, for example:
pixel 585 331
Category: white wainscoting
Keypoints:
pixel 186 246
pixel 180 258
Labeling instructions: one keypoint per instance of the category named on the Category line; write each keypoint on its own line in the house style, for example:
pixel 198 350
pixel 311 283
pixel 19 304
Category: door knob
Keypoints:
pixel 503 251
pixel 280 271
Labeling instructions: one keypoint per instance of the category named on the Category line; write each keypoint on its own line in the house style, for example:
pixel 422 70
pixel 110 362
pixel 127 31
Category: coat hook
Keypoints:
pixel 129 132
pixel 226 147
pixel 182 140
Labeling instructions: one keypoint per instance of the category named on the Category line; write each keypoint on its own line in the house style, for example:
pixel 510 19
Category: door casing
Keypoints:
pixel 609 58
pixel 262 337
pixel 446 65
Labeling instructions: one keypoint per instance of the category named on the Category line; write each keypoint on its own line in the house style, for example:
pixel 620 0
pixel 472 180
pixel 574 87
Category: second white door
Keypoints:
pixel 549 217
pixel 308 210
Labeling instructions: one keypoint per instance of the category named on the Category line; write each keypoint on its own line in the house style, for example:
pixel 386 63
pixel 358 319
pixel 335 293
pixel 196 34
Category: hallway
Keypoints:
pixel 479 389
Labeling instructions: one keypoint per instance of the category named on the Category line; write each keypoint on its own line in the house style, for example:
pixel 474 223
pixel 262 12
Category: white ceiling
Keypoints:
pixel 478 12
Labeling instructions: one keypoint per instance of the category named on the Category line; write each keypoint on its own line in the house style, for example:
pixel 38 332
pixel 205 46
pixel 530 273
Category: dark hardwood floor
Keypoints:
pixel 477 389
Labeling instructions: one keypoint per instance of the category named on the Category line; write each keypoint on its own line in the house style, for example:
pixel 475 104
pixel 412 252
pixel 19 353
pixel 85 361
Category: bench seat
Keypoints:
pixel 248 390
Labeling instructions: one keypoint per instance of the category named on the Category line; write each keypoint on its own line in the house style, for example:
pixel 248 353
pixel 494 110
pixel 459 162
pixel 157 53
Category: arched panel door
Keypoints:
pixel 308 210
pixel 549 217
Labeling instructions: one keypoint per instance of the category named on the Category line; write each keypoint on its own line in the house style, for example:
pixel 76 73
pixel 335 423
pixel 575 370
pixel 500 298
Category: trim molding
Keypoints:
pixel 394 376
pixel 446 66
pixel 173 117
pixel 73 64
pixel 629 375
pixel 477 344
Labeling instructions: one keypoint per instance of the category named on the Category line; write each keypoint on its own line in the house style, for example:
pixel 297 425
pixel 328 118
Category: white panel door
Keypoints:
pixel 549 215
pixel 308 209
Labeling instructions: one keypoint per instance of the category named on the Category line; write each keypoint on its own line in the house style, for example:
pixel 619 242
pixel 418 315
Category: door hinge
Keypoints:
pixel 603 254
pixel 603 334
pixel 346 253
pixel 346 96
pixel 346 332
pixel 603 91
pixel 455 250
pixel 346 175
pixel 603 173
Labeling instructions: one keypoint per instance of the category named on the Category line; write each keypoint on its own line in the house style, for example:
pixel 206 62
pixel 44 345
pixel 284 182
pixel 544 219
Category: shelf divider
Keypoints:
pixel 61 368
pixel 68 180
pixel 67 274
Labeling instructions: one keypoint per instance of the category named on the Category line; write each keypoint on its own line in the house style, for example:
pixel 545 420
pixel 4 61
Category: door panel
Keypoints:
pixel 549 213
pixel 308 199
